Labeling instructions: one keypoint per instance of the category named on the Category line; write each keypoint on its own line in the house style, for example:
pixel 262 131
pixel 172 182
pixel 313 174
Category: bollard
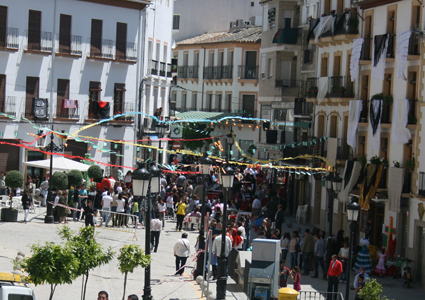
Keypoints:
pixel 288 294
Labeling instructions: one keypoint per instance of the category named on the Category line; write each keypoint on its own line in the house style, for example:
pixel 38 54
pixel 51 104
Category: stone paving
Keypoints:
pixel 19 236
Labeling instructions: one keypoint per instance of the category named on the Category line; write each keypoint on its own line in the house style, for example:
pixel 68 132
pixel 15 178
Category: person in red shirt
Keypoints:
pixel 335 269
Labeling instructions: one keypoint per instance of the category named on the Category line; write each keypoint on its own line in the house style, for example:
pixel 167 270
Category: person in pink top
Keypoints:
pixel 296 278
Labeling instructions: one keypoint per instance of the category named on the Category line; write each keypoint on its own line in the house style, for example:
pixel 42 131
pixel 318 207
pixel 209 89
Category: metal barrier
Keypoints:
pixel 306 295
pixel 117 221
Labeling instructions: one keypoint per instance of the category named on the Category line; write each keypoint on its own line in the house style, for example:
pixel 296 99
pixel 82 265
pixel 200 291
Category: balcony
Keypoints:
pixel 67 109
pixel 310 87
pixel 38 42
pixel 153 67
pixel 101 49
pixel 414 45
pixel 169 70
pixel 8 106
pixel 412 119
pixel 289 87
pixel 129 54
pixel 123 108
pixel 162 66
pixel 366 49
pixel 69 45
pixel 218 72
pixel 340 87
pixel 187 72
pixel 391 46
pixel 98 110
pixel 248 72
pixel 10 41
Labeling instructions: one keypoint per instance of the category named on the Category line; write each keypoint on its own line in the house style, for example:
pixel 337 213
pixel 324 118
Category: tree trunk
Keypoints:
pixel 85 285
pixel 82 287
pixel 52 291
pixel 10 197
pixel 125 285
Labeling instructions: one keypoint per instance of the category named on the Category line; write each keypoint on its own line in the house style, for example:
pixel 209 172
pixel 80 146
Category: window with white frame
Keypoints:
pixel 176 22
pixel 270 67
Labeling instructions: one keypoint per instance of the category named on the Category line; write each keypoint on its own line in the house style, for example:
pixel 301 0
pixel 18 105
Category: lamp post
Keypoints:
pixel 205 165
pixel 328 184
pixel 230 141
pixel 145 183
pixel 52 148
pixel 353 210
pixel 160 129
pixel 226 177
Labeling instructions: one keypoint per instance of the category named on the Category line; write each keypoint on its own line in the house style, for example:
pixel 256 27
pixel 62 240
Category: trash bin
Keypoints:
pixel 288 294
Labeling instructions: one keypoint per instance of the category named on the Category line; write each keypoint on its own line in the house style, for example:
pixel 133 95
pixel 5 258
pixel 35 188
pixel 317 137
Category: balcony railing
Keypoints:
pixel 346 24
pixel 340 86
pixel 302 107
pixel 70 44
pixel 153 67
pixel 8 105
pixel 187 72
pixel 412 119
pixel 414 44
pixel 101 48
pixel 169 70
pixel 343 151
pixel 67 109
pixel 309 87
pixel 11 39
pixel 122 108
pixel 364 112
pixel 130 53
pixel 367 49
pixel 38 41
pixel 218 72
pixel 248 72
pixel 391 46
pixel 162 66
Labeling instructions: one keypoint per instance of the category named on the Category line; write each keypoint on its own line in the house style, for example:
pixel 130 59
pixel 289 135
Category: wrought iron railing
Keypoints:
pixel 70 44
pixel 367 49
pixel 130 53
pixel 248 72
pixel 102 48
pixel 38 41
pixel 11 39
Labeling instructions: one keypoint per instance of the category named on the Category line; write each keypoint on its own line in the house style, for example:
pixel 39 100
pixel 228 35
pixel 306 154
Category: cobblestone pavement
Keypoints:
pixel 19 236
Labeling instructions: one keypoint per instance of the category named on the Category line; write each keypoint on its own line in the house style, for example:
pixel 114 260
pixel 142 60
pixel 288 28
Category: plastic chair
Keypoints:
pixel 302 213
pixel 195 222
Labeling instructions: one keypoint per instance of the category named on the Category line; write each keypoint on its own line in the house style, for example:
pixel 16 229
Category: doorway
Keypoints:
pixel 376 215
pixel 419 252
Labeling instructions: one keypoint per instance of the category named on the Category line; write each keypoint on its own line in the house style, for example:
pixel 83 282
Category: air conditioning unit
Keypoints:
pixel 232 25
pixel 247 23
pixel 240 23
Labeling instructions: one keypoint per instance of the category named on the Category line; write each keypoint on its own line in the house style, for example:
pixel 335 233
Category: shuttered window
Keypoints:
pixel 119 91
pixel 31 92
pixel 2 92
pixel 62 93
pixel 65 34
pixel 94 96
pixel 34 29
pixel 121 41
pixel 96 38
pixel 3 26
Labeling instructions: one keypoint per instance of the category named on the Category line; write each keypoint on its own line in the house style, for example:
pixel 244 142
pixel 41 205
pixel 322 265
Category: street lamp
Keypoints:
pixel 328 183
pixel 353 210
pixel 160 129
pixel 337 183
pixel 145 183
pixel 205 165
pixel 226 177
pixel 52 148
pixel 230 141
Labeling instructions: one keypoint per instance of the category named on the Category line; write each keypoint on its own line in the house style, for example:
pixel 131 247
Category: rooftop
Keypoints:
pixel 236 35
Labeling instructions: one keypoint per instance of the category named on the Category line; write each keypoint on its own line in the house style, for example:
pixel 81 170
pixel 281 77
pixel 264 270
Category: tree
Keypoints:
pixel 87 250
pixel 196 131
pixel 52 264
pixel 77 177
pixel 95 171
pixel 60 180
pixel 14 179
pixel 371 291
pixel 131 257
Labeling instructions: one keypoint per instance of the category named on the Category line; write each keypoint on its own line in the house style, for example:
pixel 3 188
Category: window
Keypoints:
pixel 121 41
pixel 324 67
pixel 61 95
pixel 165 54
pixel 209 102
pixel 270 67
pixel 421 184
pixel 196 59
pixel 218 102
pixel 3 26
pixel 119 92
pixel 263 66
pixel 65 34
pixel 158 51
pixel 248 106
pixel 194 101
pixel 96 38
pixel 184 101
pixel 308 56
pixel 31 93
pixel 228 103
pixel 94 97
pixel 252 3
pixel 155 98
pixel 2 92
pixel 176 22
pixel 34 30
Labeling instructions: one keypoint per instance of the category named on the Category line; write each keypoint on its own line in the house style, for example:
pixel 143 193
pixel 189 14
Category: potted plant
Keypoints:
pixel 375 160
pixel 396 164
pixel 410 163
pixel 338 91
pixel 333 12
pixel 14 179
pixel 312 91
pixel 95 172
pixel 412 120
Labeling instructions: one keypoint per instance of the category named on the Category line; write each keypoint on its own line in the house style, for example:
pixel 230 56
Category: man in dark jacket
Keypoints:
pixel 280 217
pixel 307 250
pixel 89 213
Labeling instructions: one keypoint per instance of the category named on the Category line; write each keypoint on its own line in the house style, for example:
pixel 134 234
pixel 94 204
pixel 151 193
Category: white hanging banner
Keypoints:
pixel 402 51
pixel 355 58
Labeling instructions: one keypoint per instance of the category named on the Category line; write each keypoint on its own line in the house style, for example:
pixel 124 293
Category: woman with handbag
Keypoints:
pixel 294 248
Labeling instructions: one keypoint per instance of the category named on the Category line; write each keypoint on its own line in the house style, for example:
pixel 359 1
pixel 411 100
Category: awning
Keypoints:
pixel 302 124
pixel 152 136
pixel 286 36
pixel 205 116
pixel 261 269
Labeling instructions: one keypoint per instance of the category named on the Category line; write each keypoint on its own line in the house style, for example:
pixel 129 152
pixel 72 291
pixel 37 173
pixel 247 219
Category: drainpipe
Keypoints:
pixel 203 66
pixel 52 77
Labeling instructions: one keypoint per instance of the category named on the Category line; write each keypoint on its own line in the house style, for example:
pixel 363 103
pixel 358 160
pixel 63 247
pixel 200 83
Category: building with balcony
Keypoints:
pixel 84 60
pixel 218 74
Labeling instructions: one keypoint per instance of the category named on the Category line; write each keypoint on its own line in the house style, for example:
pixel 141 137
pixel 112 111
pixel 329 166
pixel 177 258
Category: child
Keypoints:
pixel 296 278
pixel 214 262
pixel 360 285
pixel 284 272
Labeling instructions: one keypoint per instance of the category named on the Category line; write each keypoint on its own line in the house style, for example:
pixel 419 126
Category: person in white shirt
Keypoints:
pixel 242 229
pixel 216 248
pixel 155 232
pixel 106 207
pixel 181 252
pixel 161 211
pixel 120 209
pixel 105 191
pixel 170 204
pixel 256 207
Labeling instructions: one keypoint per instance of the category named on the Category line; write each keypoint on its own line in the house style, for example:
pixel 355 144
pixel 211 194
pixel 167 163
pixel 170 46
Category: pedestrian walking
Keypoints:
pixel 294 246
pixel 181 252
pixel 161 211
pixel 334 271
pixel 89 213
pixel 155 232
pixel 307 250
pixel 26 202
pixel 181 211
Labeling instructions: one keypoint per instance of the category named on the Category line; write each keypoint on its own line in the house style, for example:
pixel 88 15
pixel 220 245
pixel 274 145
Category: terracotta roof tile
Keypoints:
pixel 243 35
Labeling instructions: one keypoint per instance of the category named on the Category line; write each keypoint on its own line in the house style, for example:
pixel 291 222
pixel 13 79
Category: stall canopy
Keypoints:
pixel 60 163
